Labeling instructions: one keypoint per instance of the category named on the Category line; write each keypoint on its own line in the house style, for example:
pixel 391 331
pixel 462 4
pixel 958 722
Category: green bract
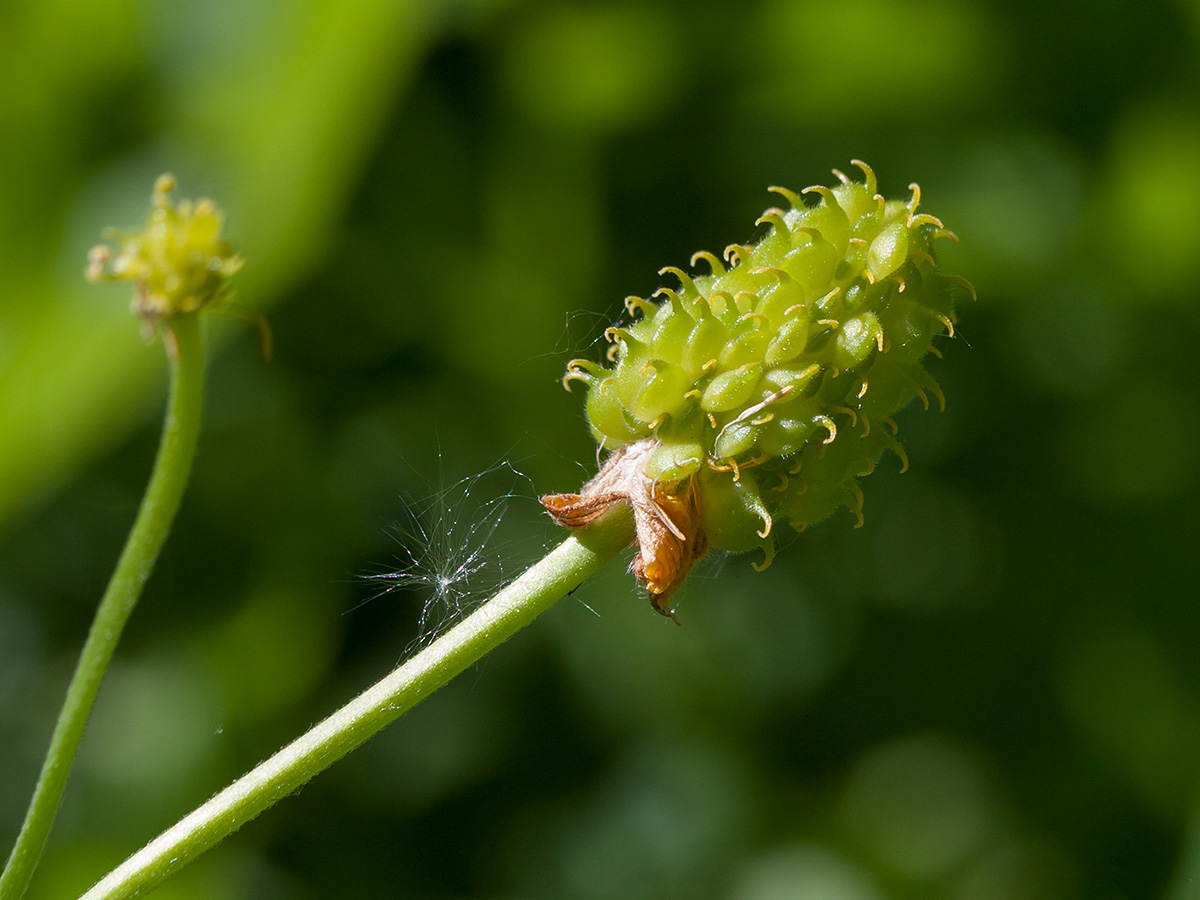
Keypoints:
pixel 766 386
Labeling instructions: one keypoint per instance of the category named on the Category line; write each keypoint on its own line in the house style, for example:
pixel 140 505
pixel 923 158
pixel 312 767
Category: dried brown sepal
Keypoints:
pixel 576 511
pixel 666 521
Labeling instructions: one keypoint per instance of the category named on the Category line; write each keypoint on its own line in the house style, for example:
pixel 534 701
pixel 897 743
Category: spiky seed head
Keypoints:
pixel 760 389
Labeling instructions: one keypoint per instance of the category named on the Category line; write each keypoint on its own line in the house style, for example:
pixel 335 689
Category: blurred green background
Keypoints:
pixel 990 691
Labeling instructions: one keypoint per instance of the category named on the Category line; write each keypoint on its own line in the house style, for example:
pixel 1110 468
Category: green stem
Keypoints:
pixel 171 469
pixel 562 570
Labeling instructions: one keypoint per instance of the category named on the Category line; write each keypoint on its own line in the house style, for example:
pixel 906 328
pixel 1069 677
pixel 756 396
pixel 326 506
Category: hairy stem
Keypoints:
pixel 172 466
pixel 562 570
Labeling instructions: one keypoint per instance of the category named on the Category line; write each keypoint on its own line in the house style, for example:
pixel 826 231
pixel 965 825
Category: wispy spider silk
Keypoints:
pixel 451 556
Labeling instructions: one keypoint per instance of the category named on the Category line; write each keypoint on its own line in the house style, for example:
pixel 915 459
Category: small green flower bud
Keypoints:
pixel 178 262
pixel 763 390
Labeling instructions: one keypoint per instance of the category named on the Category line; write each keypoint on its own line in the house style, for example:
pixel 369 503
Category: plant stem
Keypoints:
pixel 562 570
pixel 172 465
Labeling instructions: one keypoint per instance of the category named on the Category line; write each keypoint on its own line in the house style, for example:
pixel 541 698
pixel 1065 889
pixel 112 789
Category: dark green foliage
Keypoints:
pixel 437 212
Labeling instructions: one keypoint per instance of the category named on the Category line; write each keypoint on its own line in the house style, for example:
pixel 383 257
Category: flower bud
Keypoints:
pixel 178 262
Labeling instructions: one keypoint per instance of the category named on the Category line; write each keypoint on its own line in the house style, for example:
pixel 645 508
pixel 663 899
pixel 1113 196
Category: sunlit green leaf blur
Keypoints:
pixel 991 691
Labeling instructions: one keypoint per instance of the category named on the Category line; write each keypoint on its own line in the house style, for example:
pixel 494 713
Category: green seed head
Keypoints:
pixel 178 261
pixel 765 387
